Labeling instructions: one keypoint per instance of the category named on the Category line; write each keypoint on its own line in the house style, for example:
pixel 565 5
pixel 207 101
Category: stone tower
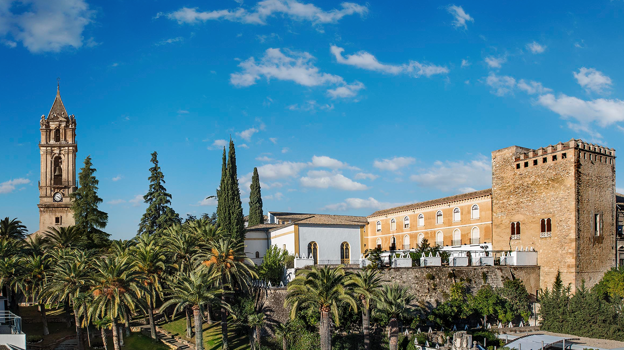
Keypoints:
pixel 58 166
pixel 559 200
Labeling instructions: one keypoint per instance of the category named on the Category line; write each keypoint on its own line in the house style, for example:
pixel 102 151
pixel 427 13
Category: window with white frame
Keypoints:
pixel 421 237
pixel 439 217
pixel 475 236
pixel 597 224
pixel 474 212
pixel 440 239
pixel 378 243
pixel 456 215
pixel 406 242
pixel 546 228
pixel 515 230
pixel 392 225
pixel 378 226
pixel 421 220
pixel 406 222
pixel 456 237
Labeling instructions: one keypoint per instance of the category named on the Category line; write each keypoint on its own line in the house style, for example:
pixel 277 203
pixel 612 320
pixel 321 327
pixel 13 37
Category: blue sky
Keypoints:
pixel 344 107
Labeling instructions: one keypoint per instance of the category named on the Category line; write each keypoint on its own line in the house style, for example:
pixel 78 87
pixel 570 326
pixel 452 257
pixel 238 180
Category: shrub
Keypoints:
pixel 484 276
pixel 422 338
pixel 451 275
pixel 33 338
pixel 429 277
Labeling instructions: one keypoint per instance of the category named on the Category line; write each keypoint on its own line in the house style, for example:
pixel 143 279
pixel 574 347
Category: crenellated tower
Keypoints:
pixel 58 166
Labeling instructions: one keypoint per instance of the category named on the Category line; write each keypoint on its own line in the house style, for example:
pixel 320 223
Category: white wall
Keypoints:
pixel 16 340
pixel 256 241
pixel 329 238
pixel 288 239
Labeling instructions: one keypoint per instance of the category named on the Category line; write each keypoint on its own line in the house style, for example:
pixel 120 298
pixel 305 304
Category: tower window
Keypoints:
pixel 57 135
pixel 58 220
pixel 58 172
pixel 544 160
pixel 515 230
pixel 564 156
pixel 534 161
pixel 526 164
pixel 597 224
pixel 554 158
pixel 518 166
pixel 546 228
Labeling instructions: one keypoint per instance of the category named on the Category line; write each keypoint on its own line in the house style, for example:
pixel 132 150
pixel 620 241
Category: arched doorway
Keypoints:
pixel 345 253
pixel 313 250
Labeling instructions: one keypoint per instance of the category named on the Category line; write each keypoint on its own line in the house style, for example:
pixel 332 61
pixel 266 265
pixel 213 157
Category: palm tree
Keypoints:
pixel 394 301
pixel 31 281
pixel 324 289
pixel 366 284
pixel 117 287
pixel 69 279
pixel 12 228
pixel 102 324
pixel 150 261
pixel 226 258
pixel 120 248
pixel 35 244
pixel 204 230
pixel 64 237
pixel 9 273
pixel 10 247
pixel 193 290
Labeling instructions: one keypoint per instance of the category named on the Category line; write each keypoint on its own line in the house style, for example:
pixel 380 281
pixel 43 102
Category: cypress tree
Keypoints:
pixel 159 214
pixel 222 196
pixel 89 219
pixel 230 208
pixel 256 217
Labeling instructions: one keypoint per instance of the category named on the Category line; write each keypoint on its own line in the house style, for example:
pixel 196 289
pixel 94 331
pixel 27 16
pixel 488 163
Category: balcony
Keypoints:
pixel 515 237
pixel 11 334
pixel 457 242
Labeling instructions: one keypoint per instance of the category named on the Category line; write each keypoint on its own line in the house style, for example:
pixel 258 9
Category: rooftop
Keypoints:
pixel 284 219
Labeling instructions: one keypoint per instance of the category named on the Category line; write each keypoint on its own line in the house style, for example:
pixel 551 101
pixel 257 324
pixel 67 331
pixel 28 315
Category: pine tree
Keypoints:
pixel 230 208
pixel 256 217
pixel 159 214
pixel 89 219
pixel 222 195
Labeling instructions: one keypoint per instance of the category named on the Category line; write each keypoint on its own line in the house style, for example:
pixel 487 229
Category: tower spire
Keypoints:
pixel 58 108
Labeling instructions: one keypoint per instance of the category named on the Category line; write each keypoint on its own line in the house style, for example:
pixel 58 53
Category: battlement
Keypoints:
pixel 561 146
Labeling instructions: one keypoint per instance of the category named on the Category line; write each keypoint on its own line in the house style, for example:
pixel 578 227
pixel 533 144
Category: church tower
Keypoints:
pixel 58 166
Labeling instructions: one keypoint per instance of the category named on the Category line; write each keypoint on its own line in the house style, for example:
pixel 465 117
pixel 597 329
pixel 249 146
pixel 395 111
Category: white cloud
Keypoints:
pixel 346 91
pixel 9 43
pixel 244 145
pixel 116 201
pixel 44 25
pixel 137 200
pixel 211 202
pixel 218 144
pixel 365 60
pixel 277 171
pixel 264 159
pixel 393 164
pixel 297 67
pixel 602 111
pixel 117 178
pixel 362 176
pixel 501 85
pixel 495 62
pixel 247 134
pixel 465 63
pixel 461 17
pixel 457 176
pixel 592 80
pixel 285 150
pixel 292 9
pixel 359 203
pixel 169 41
pixel 273 140
pixel 532 87
pixel 326 179
pixel 310 106
pixel 9 186
pixel 278 196
pixel 535 47
pixel 327 162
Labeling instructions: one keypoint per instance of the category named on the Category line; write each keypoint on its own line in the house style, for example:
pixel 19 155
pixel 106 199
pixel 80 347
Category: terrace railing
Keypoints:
pixel 10 319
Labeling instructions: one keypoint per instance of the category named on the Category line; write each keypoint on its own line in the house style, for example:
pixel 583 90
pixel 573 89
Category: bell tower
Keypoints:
pixel 58 166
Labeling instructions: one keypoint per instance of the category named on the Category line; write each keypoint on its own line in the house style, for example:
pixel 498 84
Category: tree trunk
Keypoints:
pixel 88 336
pixel 78 330
pixel 121 338
pixel 366 327
pixel 199 341
pixel 224 326
pixel 284 342
pixel 394 334
pixel 115 336
pixel 150 313
pixel 189 326
pixel 208 316
pixel 258 335
pixel 325 330
pixel 252 343
pixel 103 331
pixel 44 318
pixel 126 325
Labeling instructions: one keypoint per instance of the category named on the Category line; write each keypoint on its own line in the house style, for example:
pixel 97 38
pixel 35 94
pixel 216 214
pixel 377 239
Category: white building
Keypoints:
pixel 330 239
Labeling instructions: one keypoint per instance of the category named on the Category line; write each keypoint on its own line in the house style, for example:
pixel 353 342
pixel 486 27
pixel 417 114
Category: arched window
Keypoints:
pixel 57 135
pixel 58 171
pixel 392 243
pixel 515 230
pixel 392 225
pixel 421 237
pixel 378 243
pixel 378 226
pixel 313 250
pixel 257 255
pixel 546 228
pixel 475 236
pixel 406 222
pixel 421 220
pixel 345 253
pixel 406 242
pixel 439 217
pixel 474 212
pixel 457 237
pixel 456 215
pixel 440 238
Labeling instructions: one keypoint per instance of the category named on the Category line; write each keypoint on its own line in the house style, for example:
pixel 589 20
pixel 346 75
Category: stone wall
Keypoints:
pixel 433 289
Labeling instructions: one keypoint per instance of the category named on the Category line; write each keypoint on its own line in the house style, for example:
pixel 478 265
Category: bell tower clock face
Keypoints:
pixel 58 197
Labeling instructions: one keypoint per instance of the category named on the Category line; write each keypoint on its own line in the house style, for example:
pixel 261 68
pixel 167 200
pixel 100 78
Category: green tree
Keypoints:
pixel 394 301
pixel 517 298
pixel 13 228
pixel 63 237
pixel 485 303
pixel 159 215
pixel 226 258
pixel 321 289
pixel 194 290
pixel 612 283
pixel 272 267
pixel 32 278
pixel 89 219
pixel 102 324
pixel 256 216
pixel 367 286
pixel 117 288
pixel 229 207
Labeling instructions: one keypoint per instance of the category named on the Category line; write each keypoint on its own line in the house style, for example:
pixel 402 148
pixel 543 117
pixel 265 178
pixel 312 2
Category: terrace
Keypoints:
pixel 11 335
